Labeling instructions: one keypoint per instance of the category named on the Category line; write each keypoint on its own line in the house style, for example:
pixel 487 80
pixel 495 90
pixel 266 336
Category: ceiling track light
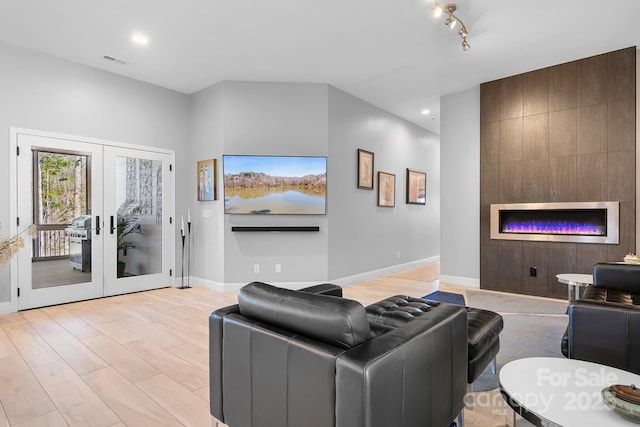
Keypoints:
pixel 451 20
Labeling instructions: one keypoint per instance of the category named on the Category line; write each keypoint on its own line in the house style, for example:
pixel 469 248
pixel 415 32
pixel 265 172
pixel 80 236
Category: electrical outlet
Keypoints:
pixel 533 272
pixel 398 254
pixel 256 268
pixel 278 268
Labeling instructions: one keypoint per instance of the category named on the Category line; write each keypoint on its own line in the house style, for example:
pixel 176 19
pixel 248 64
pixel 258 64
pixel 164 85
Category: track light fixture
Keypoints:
pixel 451 20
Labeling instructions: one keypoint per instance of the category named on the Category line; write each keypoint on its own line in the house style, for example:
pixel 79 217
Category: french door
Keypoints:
pixel 99 215
pixel 137 235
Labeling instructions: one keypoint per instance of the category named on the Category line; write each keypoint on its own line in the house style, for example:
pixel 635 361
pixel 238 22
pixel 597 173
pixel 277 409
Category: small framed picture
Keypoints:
pixel 365 169
pixel 386 189
pixel 416 187
pixel 207 172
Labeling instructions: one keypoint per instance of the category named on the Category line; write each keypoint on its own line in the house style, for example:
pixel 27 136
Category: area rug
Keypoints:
pixel 449 297
pixel 533 327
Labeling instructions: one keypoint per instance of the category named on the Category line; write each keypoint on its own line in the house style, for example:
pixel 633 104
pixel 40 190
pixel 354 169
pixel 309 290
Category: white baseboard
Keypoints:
pixel 235 287
pixel 8 307
pixel 459 280
pixel 205 283
pixel 344 281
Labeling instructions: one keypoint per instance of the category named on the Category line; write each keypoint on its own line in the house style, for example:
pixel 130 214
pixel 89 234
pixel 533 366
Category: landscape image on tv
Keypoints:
pixel 275 185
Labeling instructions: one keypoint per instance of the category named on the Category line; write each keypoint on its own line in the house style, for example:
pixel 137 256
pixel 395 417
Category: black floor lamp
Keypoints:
pixel 184 237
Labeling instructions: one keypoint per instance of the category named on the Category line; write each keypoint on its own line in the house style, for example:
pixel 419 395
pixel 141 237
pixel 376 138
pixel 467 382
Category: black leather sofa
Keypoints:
pixel 282 358
pixel 604 325
pixel 483 329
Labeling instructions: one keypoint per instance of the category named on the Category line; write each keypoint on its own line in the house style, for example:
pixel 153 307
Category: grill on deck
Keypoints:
pixel 79 234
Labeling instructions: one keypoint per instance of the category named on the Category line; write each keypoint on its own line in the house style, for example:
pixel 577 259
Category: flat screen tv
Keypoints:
pixel 275 185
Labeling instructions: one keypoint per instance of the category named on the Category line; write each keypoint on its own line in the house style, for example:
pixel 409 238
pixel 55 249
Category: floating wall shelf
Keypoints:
pixel 278 229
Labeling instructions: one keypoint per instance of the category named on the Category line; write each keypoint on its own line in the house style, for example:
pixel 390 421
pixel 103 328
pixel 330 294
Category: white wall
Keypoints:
pixel 364 237
pixel 356 236
pixel 460 186
pixel 262 119
pixel 43 93
pixel 206 127
pixel 278 119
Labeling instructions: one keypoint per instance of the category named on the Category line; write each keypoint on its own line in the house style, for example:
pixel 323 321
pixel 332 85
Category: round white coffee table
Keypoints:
pixel 574 283
pixel 550 391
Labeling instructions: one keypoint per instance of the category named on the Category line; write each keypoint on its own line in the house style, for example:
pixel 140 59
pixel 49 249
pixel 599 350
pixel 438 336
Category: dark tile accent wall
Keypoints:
pixel 561 134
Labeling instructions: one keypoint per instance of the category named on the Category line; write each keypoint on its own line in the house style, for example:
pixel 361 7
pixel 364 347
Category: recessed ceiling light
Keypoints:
pixel 139 39
pixel 425 112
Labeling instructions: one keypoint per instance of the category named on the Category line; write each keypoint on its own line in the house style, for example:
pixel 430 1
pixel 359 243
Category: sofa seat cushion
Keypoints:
pixel 484 329
pixel 337 321
pixel 397 310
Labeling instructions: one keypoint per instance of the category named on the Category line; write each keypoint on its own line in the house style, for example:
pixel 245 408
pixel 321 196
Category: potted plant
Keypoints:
pixel 128 222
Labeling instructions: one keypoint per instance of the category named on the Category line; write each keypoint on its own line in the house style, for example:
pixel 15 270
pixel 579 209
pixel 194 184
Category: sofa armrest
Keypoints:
pixel 418 369
pixel 215 359
pixel 275 377
pixel 215 345
pixel 605 332
pixel 621 277
pixel 324 289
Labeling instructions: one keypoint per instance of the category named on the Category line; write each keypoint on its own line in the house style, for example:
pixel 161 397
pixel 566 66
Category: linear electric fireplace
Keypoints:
pixel 580 222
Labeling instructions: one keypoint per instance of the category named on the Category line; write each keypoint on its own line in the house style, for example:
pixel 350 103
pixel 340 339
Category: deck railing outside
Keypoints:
pixel 50 242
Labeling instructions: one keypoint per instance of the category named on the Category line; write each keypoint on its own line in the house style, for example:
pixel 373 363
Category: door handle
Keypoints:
pixel 97 225
pixel 113 228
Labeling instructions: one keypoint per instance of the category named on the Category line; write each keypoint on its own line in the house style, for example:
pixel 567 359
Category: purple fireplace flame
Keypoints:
pixel 545 227
pixel 563 222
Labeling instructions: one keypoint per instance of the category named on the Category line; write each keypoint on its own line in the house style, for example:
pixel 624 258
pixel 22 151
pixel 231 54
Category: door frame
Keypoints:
pixel 12 305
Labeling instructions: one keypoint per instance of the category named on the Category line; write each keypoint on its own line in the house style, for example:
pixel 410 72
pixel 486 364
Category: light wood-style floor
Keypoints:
pixel 136 360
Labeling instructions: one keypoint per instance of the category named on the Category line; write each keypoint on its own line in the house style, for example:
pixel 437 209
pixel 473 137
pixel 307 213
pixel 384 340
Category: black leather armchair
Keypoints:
pixel 283 358
pixel 604 325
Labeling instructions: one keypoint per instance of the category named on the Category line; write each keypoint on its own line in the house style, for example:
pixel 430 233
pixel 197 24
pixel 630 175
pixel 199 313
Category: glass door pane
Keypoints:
pixel 137 251
pixel 139 216
pixel 61 247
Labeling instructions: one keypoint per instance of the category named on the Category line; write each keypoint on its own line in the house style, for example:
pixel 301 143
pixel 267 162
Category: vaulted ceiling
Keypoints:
pixel 391 53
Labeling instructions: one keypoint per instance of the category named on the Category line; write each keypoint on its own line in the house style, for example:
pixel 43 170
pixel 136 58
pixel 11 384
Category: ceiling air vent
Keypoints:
pixel 112 59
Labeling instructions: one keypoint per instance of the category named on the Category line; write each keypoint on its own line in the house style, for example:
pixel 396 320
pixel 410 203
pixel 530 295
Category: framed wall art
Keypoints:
pixel 386 189
pixel 365 169
pixel 207 171
pixel 416 187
